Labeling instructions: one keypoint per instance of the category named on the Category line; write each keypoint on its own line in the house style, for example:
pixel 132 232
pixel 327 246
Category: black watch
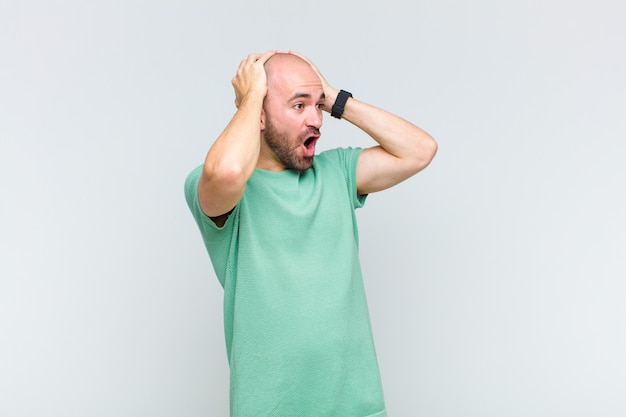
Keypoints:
pixel 340 103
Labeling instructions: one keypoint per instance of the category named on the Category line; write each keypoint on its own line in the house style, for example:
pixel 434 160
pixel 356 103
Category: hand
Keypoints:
pixel 251 77
pixel 329 92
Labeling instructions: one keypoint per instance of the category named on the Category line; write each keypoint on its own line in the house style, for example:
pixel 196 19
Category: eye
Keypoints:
pixel 298 106
pixel 319 106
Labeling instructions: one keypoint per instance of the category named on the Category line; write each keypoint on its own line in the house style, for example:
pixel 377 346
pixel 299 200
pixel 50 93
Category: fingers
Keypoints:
pixel 264 57
pixel 252 62
pixel 250 76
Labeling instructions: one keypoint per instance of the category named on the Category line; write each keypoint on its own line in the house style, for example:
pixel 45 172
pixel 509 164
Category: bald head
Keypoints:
pixel 281 61
pixel 283 67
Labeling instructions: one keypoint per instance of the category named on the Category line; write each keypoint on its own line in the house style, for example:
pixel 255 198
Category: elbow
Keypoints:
pixel 225 175
pixel 424 153
pixel 432 149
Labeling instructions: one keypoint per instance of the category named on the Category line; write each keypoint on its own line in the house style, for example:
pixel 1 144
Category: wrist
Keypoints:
pixel 253 96
pixel 340 103
pixel 330 96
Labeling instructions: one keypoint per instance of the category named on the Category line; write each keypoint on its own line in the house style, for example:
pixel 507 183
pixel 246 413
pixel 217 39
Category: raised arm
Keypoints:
pixel 233 156
pixel 403 148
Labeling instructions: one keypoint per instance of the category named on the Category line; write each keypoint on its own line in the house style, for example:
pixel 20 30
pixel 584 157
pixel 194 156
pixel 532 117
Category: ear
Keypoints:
pixel 262 119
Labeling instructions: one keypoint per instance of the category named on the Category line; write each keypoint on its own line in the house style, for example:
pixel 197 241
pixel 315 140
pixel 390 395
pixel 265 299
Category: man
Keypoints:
pixel 278 222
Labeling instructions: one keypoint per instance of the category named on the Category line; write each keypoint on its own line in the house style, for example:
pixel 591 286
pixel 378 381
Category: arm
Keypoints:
pixel 403 148
pixel 232 158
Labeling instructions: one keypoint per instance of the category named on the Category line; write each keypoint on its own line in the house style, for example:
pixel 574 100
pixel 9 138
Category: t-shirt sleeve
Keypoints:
pixel 210 231
pixel 348 159
pixel 217 240
pixel 191 195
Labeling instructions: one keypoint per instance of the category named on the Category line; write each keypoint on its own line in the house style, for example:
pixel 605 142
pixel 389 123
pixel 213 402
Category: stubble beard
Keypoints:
pixel 278 142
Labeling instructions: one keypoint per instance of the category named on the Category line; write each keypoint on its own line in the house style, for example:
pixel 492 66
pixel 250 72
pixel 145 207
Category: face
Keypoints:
pixel 292 117
pixel 291 150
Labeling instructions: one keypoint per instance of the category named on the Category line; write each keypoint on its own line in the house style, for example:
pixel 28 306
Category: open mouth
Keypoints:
pixel 309 145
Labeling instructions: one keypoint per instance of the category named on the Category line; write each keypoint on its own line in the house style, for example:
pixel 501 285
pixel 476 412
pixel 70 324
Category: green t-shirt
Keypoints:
pixel 296 322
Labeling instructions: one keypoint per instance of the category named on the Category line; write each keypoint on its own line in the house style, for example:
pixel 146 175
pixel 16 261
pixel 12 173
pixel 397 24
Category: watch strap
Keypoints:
pixel 340 103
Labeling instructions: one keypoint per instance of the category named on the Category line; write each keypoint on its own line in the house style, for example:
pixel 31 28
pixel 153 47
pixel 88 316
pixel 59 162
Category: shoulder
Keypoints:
pixel 344 157
pixel 343 161
pixel 205 222
pixel 191 185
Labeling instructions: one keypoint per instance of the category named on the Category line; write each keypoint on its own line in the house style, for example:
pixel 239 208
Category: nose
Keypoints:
pixel 314 117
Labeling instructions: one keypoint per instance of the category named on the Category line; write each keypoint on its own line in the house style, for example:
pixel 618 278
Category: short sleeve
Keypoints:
pixel 348 158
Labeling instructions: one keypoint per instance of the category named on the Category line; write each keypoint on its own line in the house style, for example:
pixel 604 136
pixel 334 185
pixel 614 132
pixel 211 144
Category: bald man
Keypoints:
pixel 278 221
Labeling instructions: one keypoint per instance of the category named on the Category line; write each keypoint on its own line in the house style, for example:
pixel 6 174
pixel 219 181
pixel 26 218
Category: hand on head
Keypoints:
pixel 251 77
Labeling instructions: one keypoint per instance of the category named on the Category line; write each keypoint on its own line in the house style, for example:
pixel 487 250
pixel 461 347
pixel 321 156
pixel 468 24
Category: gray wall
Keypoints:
pixel 495 277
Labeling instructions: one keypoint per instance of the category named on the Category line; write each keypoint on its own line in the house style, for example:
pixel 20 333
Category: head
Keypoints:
pixel 292 113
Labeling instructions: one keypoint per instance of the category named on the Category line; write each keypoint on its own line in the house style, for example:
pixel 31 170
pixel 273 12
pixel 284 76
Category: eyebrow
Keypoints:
pixel 305 95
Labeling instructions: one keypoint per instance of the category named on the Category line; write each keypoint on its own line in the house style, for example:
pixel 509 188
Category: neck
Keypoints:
pixel 268 159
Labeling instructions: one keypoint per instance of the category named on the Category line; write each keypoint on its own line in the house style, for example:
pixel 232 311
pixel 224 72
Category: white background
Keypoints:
pixel 495 277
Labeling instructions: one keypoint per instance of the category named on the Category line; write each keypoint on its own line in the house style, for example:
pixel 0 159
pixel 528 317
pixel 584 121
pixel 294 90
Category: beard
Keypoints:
pixel 287 153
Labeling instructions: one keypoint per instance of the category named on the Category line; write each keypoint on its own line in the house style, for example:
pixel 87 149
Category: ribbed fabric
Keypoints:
pixel 296 323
